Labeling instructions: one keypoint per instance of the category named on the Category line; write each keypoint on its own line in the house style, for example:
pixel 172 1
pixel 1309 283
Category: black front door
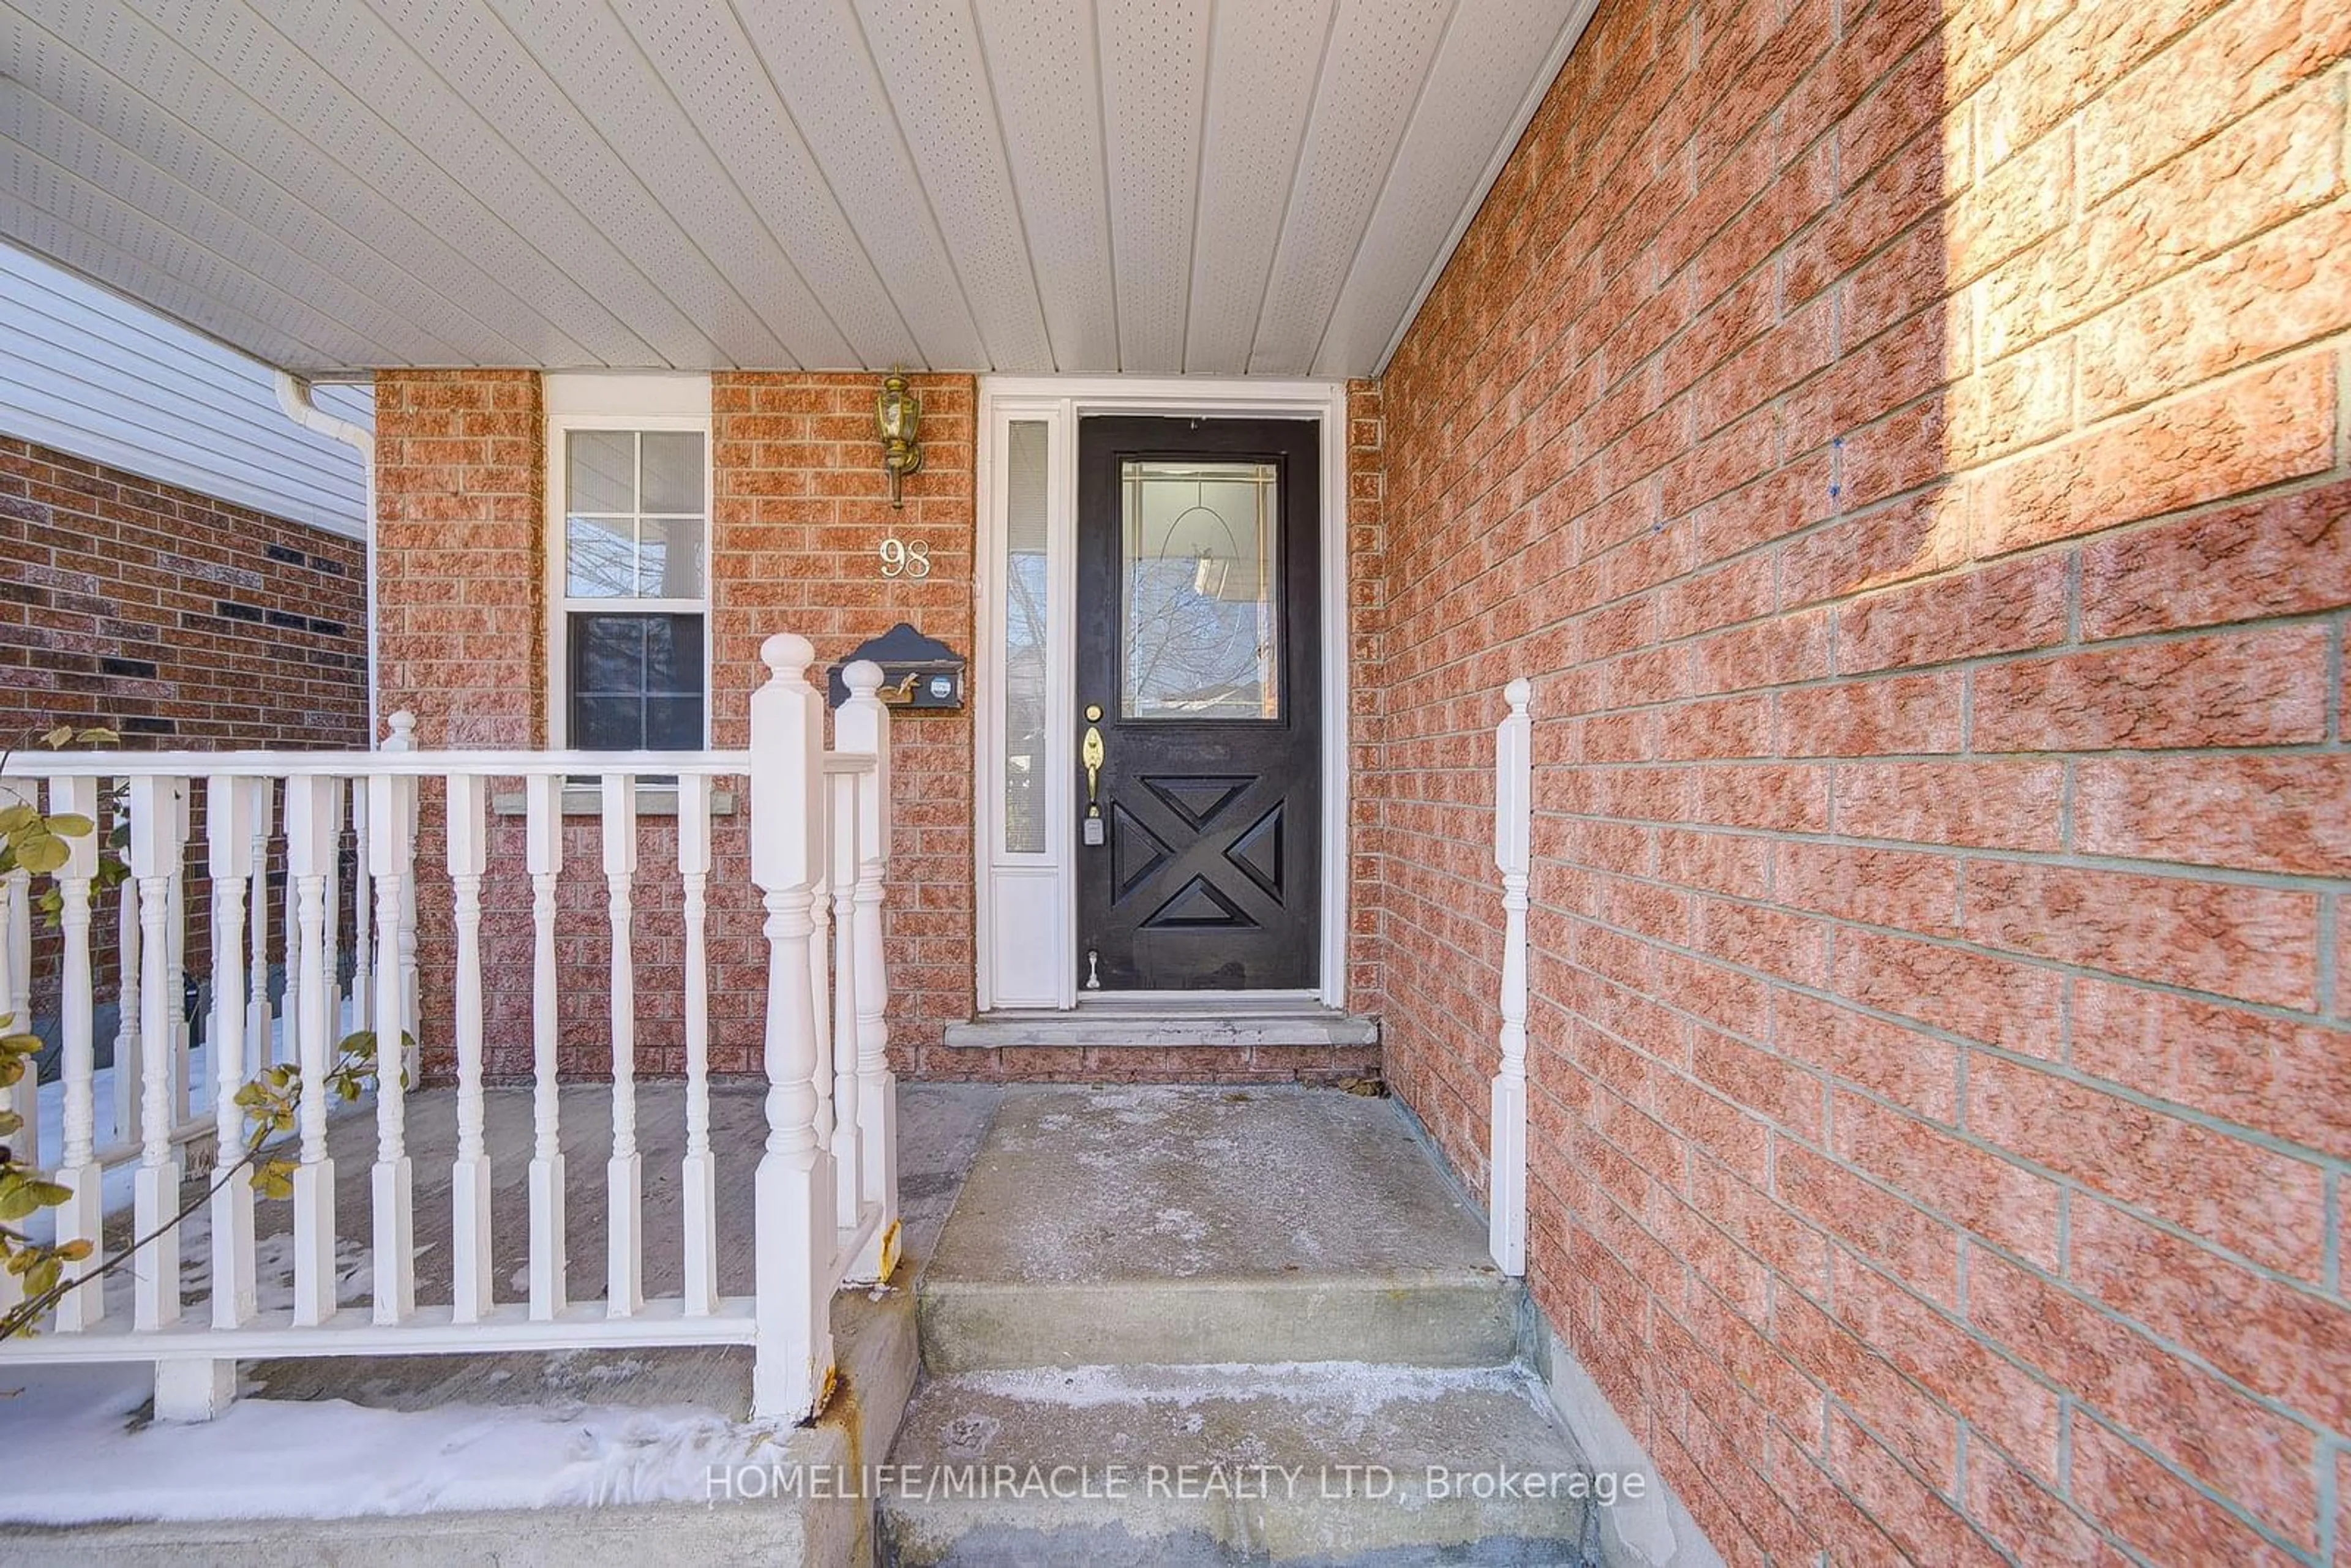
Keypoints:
pixel 1200 696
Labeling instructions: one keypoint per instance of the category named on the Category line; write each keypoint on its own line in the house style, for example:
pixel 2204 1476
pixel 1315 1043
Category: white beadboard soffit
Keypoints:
pixel 1211 187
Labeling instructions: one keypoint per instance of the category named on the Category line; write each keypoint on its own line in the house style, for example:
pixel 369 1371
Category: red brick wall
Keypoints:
pixel 1903 443
pixel 177 619
pixel 799 510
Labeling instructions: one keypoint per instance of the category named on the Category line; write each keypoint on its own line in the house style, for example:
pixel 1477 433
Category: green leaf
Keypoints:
pixel 57 738
pixel 96 735
pixel 15 815
pixel 40 853
pixel 10 1122
pixel 71 825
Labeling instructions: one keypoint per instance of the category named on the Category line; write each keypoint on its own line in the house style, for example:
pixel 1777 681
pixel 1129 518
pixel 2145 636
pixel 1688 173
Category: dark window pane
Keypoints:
pixel 636 683
pixel 673 655
pixel 608 724
pixel 672 724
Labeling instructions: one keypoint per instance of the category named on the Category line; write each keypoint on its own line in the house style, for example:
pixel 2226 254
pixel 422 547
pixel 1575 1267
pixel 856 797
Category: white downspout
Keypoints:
pixel 294 397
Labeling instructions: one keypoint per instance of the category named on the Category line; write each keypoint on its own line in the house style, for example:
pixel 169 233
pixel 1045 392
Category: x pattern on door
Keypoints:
pixel 1199 850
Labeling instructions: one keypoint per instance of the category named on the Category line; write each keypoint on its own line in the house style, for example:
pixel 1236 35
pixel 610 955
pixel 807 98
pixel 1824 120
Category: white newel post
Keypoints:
pixel 793 1369
pixel 390 835
pixel 79 1217
pixel 543 857
pixel 862 727
pixel 469 1178
pixel 309 862
pixel 698 1173
pixel 1513 814
pixel 625 1173
pixel 229 842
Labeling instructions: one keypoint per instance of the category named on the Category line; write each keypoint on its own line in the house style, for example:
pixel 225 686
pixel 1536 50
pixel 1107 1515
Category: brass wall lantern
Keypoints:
pixel 897 417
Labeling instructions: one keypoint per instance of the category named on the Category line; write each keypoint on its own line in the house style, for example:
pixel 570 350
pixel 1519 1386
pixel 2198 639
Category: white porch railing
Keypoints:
pixel 825 1190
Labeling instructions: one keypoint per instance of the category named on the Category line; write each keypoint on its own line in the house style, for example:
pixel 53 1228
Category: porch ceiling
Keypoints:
pixel 1158 187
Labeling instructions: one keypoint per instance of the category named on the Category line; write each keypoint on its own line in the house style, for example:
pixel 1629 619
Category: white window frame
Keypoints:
pixel 632 403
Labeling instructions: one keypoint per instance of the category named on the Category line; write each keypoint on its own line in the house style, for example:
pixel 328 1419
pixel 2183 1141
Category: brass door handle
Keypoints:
pixel 1091 754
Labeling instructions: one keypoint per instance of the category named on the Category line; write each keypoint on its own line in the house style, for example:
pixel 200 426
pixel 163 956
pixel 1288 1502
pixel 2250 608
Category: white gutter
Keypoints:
pixel 294 397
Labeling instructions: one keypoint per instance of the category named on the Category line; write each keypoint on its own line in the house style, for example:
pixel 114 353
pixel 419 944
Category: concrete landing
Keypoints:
pixel 1210 1224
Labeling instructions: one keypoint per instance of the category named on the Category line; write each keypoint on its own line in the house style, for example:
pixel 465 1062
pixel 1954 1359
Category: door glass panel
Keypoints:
pixel 1024 638
pixel 1200 618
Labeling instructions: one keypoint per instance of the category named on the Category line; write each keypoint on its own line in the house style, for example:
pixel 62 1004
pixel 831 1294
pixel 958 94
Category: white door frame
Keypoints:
pixel 1037 889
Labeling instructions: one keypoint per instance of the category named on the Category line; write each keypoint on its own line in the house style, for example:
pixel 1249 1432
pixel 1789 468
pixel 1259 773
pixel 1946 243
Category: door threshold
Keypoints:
pixel 1255 1004
pixel 1149 1019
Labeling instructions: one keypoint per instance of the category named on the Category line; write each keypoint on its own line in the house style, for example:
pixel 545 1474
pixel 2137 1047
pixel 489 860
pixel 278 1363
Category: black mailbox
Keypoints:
pixel 919 673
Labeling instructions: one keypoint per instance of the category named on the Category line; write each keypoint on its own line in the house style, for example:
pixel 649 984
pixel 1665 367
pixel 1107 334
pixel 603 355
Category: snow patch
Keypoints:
pixel 331 1459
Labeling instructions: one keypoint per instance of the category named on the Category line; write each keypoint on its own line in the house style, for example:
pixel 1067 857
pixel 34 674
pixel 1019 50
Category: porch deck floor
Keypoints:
pixel 1217 1182
pixel 940 1127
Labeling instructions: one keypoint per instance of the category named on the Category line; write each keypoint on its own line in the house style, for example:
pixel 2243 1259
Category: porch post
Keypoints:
pixel 862 727
pixel 793 1370
pixel 1506 1187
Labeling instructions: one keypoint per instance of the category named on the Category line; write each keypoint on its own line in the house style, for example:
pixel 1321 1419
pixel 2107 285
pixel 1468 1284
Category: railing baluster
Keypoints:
pixel 395 1227
pixel 155 855
pixel 624 1292
pixel 228 837
pixel 175 916
pixel 543 793
pixel 16 982
pixel 469 1178
pixel 128 1064
pixel 403 739
pixel 291 923
pixel 258 1045
pixel 793 1364
pixel 698 1174
pixel 362 912
pixel 80 1217
pixel 862 725
pixel 310 860
pixel 820 958
pixel 335 993
pixel 841 851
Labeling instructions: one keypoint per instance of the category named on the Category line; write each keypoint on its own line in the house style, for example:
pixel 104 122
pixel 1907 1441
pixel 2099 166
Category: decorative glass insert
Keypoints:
pixel 634 513
pixel 1200 585
pixel 636 683
pixel 1027 466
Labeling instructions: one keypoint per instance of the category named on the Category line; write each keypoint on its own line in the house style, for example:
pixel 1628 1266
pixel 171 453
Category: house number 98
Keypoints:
pixel 905 557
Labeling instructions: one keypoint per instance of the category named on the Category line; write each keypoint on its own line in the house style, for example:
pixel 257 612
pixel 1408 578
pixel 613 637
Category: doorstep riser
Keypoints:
pixel 977 1328
pixel 1222 1534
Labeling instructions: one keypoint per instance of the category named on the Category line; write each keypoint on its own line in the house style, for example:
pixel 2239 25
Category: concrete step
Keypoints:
pixel 1210 1224
pixel 1328 1463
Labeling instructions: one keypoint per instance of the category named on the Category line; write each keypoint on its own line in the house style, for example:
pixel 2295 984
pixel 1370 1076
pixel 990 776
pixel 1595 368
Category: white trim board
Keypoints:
pixel 1041 890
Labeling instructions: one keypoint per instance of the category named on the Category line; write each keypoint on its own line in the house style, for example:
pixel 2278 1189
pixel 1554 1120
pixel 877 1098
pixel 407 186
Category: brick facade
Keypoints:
pixel 177 619
pixel 798 511
pixel 180 622
pixel 1903 443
